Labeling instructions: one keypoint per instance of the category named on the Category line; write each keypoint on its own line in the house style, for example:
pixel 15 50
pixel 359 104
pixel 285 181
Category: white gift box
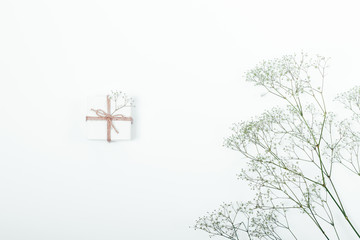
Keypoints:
pixel 98 129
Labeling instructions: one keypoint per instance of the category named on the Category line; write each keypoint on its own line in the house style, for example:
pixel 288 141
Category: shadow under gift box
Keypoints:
pixel 97 129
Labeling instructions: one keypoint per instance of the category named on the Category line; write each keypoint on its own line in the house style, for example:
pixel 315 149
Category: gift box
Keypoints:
pixel 107 119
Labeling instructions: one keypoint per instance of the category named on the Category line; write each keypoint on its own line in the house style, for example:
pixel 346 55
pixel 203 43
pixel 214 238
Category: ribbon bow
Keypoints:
pixel 108 117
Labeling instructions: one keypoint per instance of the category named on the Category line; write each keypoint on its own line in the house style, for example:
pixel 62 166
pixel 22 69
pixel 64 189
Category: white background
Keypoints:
pixel 183 62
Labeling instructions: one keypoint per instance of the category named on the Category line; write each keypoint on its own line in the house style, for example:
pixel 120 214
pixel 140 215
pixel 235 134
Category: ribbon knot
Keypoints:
pixel 109 118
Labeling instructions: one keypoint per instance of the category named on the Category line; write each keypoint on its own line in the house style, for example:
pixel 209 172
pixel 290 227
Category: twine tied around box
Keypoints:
pixel 109 117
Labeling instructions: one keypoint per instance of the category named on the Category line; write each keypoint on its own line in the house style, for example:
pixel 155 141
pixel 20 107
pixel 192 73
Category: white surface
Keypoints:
pixel 97 130
pixel 183 62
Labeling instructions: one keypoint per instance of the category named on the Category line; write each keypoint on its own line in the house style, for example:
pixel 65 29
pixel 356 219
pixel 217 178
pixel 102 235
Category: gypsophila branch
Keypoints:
pixel 291 154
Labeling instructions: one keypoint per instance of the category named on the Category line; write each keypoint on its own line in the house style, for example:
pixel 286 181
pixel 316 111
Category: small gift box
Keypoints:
pixel 109 117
